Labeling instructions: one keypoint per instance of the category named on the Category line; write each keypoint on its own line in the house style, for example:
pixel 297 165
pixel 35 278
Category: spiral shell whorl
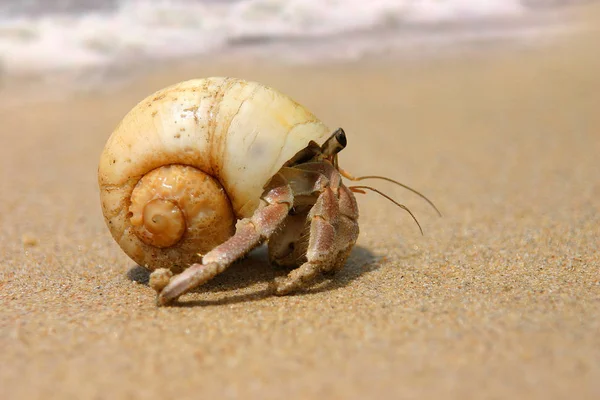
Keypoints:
pixel 174 200
pixel 161 223
pixel 176 213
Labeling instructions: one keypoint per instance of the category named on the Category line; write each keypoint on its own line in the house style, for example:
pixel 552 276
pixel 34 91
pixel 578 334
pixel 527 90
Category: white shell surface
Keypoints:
pixel 239 132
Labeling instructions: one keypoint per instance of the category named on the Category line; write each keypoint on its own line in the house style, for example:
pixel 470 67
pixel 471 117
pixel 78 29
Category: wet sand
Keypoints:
pixel 499 299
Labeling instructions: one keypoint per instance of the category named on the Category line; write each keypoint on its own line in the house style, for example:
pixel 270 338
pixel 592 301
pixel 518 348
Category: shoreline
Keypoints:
pixel 404 45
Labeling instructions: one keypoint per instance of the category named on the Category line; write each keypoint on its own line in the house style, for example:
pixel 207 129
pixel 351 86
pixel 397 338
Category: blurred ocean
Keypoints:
pixel 39 36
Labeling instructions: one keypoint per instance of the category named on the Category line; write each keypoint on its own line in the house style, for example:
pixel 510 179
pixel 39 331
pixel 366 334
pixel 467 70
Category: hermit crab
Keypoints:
pixel 200 173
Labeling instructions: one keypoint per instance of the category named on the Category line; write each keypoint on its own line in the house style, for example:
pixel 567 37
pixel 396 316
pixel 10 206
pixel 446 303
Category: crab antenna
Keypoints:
pixel 347 175
pixel 402 206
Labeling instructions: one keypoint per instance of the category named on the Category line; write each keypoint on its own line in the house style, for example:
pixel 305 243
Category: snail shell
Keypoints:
pixel 190 160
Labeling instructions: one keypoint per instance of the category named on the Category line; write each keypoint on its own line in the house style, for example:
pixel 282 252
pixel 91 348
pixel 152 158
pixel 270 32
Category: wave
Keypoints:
pixel 135 30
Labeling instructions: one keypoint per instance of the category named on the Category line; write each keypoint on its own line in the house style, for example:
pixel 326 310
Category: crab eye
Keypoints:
pixel 340 136
pixel 335 143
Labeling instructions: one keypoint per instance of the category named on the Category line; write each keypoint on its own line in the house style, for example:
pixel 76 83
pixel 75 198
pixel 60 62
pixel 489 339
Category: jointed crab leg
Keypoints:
pixel 250 232
pixel 333 232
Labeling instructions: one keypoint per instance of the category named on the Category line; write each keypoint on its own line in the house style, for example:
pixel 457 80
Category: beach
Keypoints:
pixel 499 298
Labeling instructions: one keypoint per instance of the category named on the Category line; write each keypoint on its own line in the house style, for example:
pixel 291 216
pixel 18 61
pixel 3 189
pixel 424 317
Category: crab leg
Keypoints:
pixel 321 250
pixel 333 232
pixel 347 230
pixel 250 232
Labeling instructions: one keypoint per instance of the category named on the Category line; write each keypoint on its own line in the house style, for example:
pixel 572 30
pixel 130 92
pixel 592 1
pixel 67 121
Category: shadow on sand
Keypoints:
pixel 255 269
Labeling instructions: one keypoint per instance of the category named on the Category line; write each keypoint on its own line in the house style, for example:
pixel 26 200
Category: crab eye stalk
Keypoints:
pixel 340 136
pixel 336 143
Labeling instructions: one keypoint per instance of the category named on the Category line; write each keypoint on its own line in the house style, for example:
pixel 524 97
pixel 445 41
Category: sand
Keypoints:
pixel 499 299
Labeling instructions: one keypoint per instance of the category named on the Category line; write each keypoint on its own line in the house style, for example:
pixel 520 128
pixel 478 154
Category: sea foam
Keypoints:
pixel 134 30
